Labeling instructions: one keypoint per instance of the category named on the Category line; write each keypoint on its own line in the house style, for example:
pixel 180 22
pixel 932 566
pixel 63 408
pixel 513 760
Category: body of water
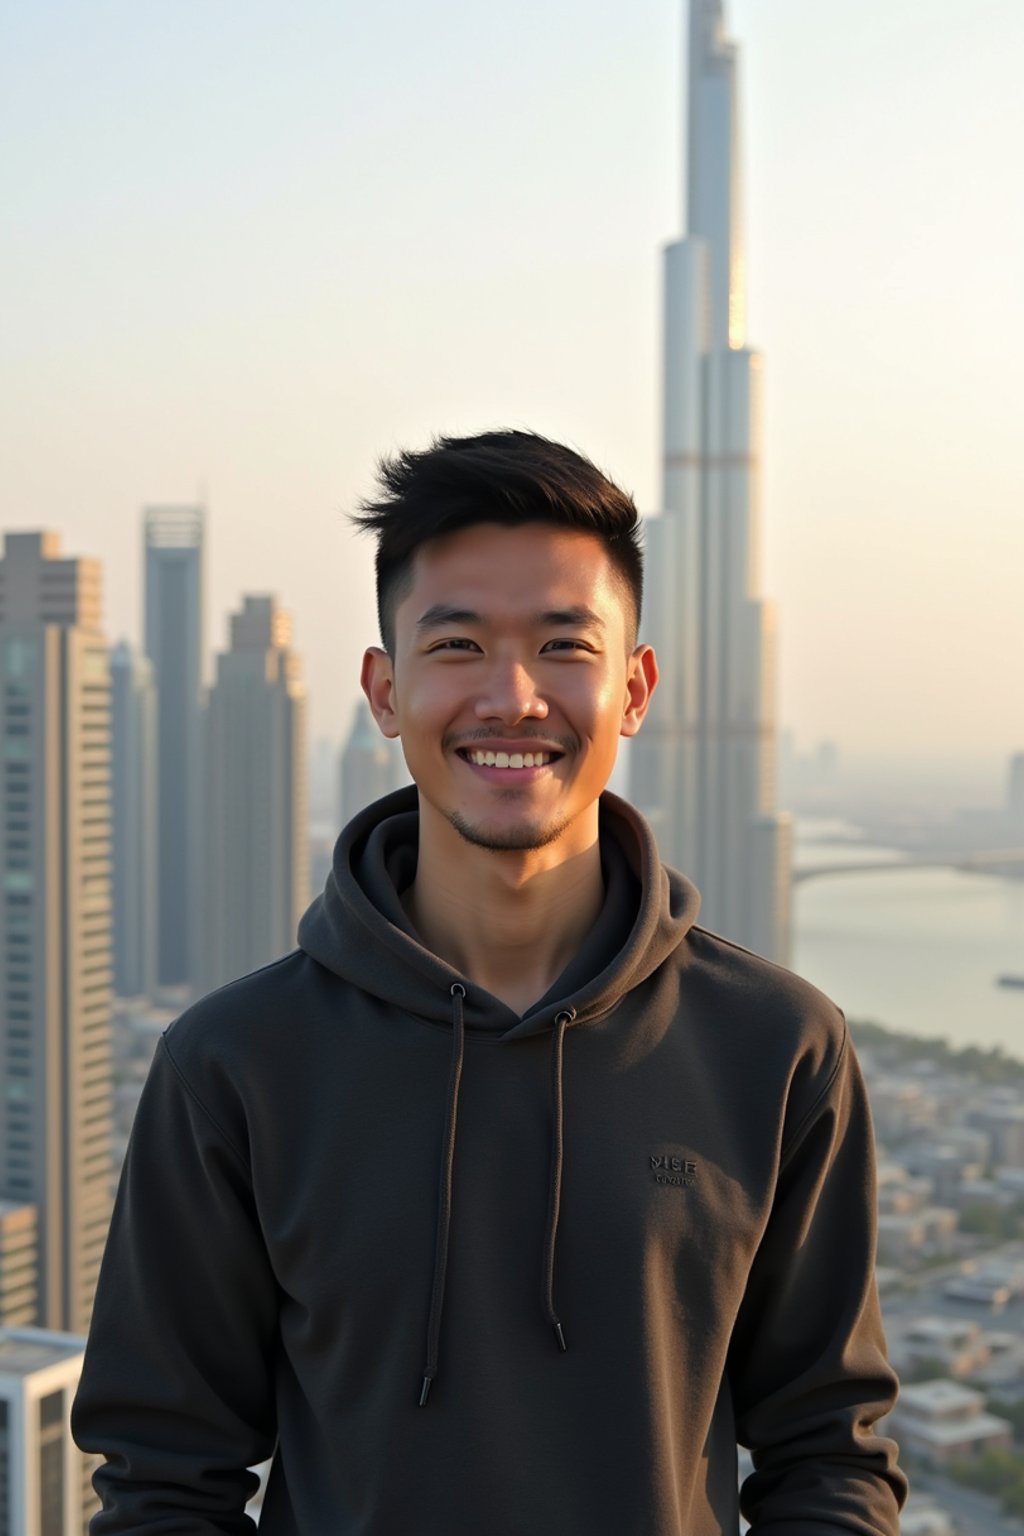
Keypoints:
pixel 917 950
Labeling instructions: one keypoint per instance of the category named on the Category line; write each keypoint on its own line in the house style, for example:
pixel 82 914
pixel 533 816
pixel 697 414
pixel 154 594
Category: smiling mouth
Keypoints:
pixel 484 759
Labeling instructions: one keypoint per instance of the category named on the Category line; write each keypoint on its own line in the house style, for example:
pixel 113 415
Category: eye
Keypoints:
pixel 455 643
pixel 564 644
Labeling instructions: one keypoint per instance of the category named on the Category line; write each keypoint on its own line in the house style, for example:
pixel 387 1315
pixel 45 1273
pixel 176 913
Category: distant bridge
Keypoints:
pixel 1011 859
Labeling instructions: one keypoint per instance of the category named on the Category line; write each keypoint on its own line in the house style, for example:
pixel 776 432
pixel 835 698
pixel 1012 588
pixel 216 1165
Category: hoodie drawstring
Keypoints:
pixel 562 1021
pixel 444 1197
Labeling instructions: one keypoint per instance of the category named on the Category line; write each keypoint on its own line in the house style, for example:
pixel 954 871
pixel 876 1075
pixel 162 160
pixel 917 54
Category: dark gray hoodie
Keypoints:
pixel 471 1274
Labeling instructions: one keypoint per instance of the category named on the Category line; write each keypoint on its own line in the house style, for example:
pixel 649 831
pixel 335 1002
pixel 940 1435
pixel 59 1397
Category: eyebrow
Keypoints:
pixel 578 617
pixel 440 615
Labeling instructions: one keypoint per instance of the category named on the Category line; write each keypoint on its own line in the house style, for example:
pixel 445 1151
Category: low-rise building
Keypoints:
pixel 958 1346
pixel 1004 1372
pixel 905 1238
pixel 980 1289
pixel 1002 1119
pixel 947 1163
pixel 45 1481
pixel 984 1195
pixel 921 1516
pixel 901 1193
pixel 943 1421
pixel 901 1107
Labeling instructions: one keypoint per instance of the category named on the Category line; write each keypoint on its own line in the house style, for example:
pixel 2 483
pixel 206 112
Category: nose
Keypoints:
pixel 510 694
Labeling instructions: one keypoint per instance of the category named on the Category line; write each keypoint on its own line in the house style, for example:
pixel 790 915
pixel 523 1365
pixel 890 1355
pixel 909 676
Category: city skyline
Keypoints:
pixel 263 311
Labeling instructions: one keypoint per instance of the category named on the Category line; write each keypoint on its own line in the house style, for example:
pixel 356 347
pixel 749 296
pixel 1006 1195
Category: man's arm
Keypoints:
pixel 177 1388
pixel 807 1364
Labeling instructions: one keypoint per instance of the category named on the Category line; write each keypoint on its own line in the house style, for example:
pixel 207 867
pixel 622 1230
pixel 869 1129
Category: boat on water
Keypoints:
pixel 1010 981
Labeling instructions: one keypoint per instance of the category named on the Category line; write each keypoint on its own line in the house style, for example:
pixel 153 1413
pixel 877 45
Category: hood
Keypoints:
pixel 358 929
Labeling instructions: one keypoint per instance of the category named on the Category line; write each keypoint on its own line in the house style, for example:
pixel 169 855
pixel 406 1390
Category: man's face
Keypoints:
pixel 511 644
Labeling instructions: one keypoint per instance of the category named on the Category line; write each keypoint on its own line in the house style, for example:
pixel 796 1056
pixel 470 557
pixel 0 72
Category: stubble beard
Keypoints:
pixel 522 839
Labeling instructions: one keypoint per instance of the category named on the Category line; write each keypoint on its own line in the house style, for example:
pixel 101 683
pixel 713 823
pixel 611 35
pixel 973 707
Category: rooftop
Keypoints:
pixel 939 1396
pixel 24 1350
pixel 943 1330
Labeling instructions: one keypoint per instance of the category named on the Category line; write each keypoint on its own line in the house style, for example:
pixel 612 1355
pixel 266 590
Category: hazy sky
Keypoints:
pixel 247 247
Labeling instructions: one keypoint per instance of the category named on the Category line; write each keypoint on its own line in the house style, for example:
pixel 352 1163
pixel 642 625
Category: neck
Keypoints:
pixel 508 922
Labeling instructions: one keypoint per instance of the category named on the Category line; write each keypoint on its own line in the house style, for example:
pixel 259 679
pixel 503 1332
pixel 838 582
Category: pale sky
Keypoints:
pixel 248 247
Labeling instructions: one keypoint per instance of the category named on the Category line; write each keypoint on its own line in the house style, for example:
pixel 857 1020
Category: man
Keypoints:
pixel 513 1199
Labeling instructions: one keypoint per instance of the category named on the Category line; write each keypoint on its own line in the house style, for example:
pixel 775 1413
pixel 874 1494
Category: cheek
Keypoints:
pixel 601 704
pixel 429 704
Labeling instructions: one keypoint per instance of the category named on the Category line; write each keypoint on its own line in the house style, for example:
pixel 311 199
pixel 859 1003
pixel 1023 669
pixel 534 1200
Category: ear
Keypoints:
pixel 641 681
pixel 378 681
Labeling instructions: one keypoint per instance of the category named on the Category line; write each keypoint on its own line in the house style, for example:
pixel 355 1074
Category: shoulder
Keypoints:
pixel 775 1024
pixel 750 981
pixel 249 1022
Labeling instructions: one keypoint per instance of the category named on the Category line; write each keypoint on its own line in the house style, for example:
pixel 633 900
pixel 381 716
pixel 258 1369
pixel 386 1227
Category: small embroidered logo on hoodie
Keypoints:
pixel 667 1169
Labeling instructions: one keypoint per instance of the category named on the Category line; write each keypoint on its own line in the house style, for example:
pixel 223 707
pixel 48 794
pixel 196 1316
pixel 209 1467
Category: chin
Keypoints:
pixel 520 839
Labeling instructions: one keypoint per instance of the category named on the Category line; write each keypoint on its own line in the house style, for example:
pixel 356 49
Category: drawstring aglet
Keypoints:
pixel 560 1336
pixel 425 1389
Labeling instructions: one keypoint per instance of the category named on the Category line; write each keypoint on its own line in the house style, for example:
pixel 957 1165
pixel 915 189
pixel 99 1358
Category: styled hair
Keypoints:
pixel 505 477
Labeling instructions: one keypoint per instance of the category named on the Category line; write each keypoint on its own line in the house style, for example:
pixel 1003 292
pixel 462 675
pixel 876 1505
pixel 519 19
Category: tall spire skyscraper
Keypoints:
pixel 703 769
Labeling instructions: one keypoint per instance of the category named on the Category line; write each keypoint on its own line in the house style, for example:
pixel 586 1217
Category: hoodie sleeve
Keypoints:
pixel 177 1386
pixel 808 1365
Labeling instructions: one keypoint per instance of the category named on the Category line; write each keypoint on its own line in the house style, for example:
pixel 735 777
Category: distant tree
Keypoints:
pixel 998 1223
pixel 997 1472
pixel 1014 1412
pixel 987 1065
pixel 925 1368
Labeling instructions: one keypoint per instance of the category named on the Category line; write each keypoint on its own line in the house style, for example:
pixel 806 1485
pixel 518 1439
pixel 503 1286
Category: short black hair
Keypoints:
pixel 506 477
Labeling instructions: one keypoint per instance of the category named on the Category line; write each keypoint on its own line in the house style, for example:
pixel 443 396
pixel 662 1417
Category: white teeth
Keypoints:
pixel 509 759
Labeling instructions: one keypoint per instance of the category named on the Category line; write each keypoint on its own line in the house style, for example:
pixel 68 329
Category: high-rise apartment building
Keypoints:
pixel 257 858
pixel 45 1481
pixel 703 768
pixel 371 764
pixel 55 1024
pixel 174 539
pixel 134 820
pixel 19 1265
